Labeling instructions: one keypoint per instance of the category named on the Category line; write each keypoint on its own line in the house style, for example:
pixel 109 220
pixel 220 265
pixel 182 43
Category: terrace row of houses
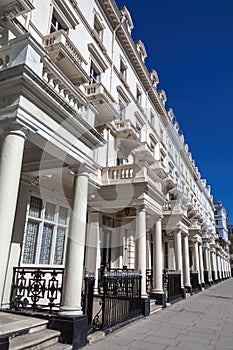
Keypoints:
pixel 95 174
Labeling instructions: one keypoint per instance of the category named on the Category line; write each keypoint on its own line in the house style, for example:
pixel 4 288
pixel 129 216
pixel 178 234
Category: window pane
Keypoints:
pixel 30 242
pixel 49 212
pixel 35 207
pixel 63 213
pixel 46 243
pixel 59 249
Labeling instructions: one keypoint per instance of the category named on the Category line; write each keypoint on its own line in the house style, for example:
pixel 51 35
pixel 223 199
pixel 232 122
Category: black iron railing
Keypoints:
pixel 101 272
pixel 172 285
pixel 194 278
pixel 120 300
pixel 36 288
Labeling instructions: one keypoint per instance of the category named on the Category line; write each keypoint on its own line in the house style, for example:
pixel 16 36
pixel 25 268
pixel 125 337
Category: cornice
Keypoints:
pixel 113 14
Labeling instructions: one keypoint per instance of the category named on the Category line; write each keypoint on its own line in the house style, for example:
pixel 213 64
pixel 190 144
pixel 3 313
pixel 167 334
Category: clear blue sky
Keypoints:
pixel 190 44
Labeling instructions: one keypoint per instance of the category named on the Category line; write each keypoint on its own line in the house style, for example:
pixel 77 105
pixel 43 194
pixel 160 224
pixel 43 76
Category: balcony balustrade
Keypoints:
pixel 73 97
pixel 115 173
pixel 104 101
pixel 66 56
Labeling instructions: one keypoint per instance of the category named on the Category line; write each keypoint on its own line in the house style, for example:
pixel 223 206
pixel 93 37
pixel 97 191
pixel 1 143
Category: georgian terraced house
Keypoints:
pixel 95 175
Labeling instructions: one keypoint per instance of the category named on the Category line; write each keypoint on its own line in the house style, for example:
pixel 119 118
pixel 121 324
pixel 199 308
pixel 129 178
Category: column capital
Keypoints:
pixel 81 169
pixel 160 218
pixel 16 130
pixel 140 208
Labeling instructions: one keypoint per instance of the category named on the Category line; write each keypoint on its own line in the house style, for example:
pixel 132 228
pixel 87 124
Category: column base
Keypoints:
pixel 70 311
pixel 73 329
pixel 160 297
pixel 189 289
pixel 4 343
pixel 145 303
pixel 183 292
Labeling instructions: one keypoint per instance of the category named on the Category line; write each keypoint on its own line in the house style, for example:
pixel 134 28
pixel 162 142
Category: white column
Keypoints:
pixel 196 260
pixel 157 259
pixel 131 249
pixel 148 255
pixel 223 267
pixel 218 265
pixel 17 235
pixel 209 264
pixel 71 301
pixel 10 169
pixel 202 280
pixel 178 254
pixel 117 247
pixel 187 282
pixel 141 246
pixel 171 256
pixel 92 263
pixel 214 264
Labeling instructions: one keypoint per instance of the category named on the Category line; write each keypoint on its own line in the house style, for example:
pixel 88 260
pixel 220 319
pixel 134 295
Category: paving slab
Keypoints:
pixel 203 321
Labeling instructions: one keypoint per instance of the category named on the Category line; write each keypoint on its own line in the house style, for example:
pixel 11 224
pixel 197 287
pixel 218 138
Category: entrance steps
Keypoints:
pixel 154 307
pixel 29 333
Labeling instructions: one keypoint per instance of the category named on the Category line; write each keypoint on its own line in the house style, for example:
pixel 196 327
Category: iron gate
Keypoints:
pixel 120 299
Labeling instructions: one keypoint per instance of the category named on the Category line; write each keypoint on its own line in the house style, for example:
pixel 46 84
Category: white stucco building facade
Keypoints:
pixel 94 172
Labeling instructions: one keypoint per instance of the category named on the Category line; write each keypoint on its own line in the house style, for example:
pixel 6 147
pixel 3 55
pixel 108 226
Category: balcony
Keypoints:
pixel 12 9
pixel 126 130
pixel 104 101
pixel 66 56
pixel 175 213
pixel 114 174
pixel 159 169
pixel 127 134
pixel 169 182
pixel 144 154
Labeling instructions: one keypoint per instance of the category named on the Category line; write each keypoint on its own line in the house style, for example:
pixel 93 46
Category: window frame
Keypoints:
pixel 98 27
pixel 42 222
pixel 92 78
pixel 59 21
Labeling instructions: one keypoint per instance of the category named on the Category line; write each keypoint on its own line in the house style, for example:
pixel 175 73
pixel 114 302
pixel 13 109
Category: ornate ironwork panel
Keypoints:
pixel 36 288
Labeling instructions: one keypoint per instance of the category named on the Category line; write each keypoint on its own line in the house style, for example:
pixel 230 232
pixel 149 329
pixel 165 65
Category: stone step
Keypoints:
pixel 35 340
pixel 154 307
pixel 13 325
pixel 59 346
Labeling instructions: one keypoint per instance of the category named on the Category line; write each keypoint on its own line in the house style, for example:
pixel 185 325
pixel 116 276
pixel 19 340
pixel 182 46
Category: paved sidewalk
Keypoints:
pixel 201 322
